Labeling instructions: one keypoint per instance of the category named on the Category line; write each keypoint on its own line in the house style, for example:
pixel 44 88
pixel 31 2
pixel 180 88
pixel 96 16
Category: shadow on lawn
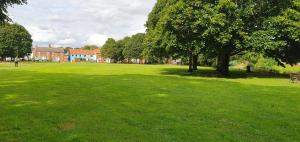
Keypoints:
pixel 234 74
pixel 51 104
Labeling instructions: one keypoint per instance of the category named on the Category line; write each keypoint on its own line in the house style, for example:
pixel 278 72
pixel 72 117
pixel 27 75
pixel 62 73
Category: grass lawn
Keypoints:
pixel 144 103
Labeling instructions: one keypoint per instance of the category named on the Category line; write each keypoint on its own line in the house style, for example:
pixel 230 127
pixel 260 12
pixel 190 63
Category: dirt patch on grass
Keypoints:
pixel 66 126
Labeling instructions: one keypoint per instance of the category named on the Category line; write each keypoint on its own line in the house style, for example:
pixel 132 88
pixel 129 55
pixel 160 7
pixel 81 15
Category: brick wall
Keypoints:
pixel 49 56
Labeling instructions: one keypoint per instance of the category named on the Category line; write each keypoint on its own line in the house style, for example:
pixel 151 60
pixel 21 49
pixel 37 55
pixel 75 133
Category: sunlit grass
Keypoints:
pixel 111 102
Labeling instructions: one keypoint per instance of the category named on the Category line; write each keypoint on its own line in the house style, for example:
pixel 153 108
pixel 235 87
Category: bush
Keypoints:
pixel 265 64
pixel 287 69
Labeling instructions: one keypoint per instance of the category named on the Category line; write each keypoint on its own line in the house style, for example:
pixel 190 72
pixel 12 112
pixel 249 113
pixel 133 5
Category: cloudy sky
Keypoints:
pixel 80 22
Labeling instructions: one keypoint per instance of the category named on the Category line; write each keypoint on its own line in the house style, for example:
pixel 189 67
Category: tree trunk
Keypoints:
pixel 249 69
pixel 223 63
pixel 191 62
pixel 195 62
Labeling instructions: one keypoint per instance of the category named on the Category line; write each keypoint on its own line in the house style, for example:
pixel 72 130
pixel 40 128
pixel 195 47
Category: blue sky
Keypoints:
pixel 80 22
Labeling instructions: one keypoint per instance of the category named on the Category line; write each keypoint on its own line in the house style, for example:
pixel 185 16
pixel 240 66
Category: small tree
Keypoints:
pixel 15 41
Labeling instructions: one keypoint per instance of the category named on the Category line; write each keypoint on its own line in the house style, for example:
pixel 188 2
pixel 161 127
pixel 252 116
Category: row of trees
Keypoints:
pixel 127 48
pixel 15 40
pixel 220 29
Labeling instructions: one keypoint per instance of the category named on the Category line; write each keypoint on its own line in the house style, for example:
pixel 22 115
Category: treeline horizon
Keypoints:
pixel 218 31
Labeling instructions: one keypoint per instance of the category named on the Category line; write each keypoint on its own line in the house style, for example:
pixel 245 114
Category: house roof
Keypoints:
pixel 84 52
pixel 47 49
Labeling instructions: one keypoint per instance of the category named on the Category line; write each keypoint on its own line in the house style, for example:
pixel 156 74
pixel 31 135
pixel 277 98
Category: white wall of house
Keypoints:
pixel 107 60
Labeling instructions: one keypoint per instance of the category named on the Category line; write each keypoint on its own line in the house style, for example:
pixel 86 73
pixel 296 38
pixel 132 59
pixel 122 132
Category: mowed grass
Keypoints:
pixel 144 103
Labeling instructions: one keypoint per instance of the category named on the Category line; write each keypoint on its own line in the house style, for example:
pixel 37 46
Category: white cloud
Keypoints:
pixel 66 42
pixel 42 35
pixel 83 21
pixel 96 39
pixel 136 31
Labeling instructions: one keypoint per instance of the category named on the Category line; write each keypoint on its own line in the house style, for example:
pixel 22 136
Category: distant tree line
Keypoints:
pixel 124 50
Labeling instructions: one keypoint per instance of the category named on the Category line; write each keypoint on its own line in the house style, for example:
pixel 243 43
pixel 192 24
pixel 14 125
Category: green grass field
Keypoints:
pixel 144 103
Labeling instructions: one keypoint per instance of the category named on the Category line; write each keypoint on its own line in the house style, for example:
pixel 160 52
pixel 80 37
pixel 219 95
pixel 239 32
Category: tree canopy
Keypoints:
pixel 112 50
pixel 134 47
pixel 126 48
pixel 224 28
pixel 3 8
pixel 90 47
pixel 14 39
pixel 279 37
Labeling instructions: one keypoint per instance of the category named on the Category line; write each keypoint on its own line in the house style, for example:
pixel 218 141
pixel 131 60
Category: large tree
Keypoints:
pixel 280 36
pixel 156 51
pixel 232 24
pixel 219 28
pixel 15 41
pixel 3 8
pixel 183 27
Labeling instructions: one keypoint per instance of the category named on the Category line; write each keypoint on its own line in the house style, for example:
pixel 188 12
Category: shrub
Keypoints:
pixel 265 64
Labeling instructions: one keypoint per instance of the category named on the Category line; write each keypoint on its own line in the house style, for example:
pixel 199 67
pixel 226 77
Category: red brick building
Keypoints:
pixel 48 54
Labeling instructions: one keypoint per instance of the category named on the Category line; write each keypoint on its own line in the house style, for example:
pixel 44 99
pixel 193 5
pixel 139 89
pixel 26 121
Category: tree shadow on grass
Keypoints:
pixel 234 73
pixel 64 103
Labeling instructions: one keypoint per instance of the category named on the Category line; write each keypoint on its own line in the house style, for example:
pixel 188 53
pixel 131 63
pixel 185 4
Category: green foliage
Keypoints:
pixel 113 49
pixel 265 64
pixel 108 49
pixel 67 49
pixel 128 47
pixel 134 47
pixel 224 28
pixel 3 8
pixel 90 47
pixel 280 36
pixel 286 69
pixel 14 39
pixel 206 60
pixel 155 51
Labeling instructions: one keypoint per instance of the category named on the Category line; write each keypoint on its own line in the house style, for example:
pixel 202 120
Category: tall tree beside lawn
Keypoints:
pixel 3 8
pixel 15 40
pixel 232 23
pixel 280 36
pixel 183 27
pixel 155 51
pixel 220 28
